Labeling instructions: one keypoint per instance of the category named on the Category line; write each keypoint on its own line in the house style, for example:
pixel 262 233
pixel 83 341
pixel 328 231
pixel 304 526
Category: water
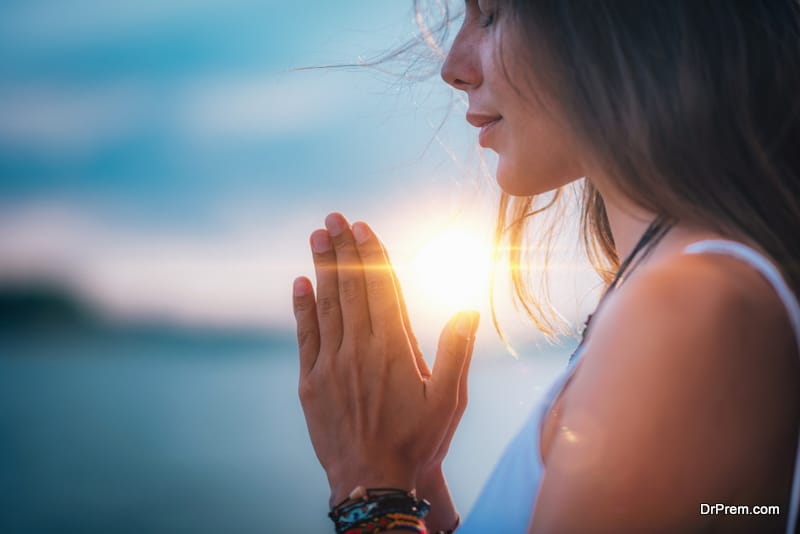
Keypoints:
pixel 155 432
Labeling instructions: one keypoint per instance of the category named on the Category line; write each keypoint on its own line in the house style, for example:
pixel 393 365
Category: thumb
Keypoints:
pixel 454 342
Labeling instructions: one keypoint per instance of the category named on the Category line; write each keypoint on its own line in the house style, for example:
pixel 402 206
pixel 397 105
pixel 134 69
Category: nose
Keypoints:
pixel 462 68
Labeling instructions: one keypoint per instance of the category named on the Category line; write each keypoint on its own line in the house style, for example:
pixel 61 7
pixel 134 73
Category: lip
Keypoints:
pixel 486 123
pixel 479 120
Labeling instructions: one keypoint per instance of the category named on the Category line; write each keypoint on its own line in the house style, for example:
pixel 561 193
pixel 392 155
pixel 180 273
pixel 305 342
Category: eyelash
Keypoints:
pixel 486 20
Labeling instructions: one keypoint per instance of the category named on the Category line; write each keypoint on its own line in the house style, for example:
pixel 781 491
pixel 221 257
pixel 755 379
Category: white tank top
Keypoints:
pixel 508 498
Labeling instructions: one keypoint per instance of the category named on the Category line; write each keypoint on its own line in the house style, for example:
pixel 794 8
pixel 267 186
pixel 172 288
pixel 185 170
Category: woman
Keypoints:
pixel 682 119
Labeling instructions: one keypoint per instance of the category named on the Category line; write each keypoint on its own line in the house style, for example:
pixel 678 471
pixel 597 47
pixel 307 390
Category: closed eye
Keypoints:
pixel 488 11
pixel 484 16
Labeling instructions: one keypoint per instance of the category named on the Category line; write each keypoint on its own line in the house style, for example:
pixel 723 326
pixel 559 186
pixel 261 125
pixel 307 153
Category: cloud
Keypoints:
pixel 263 107
pixel 69 118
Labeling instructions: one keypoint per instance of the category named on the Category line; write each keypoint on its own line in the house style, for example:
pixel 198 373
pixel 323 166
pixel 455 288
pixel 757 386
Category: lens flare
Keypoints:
pixel 451 269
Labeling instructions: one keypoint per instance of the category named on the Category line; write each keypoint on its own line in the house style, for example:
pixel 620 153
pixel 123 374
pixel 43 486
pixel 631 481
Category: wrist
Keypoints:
pixel 380 509
pixel 342 484
pixel 431 474
pixel 432 486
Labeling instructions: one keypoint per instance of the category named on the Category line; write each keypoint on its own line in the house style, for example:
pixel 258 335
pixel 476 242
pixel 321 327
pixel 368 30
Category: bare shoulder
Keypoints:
pixel 698 301
pixel 686 394
pixel 708 314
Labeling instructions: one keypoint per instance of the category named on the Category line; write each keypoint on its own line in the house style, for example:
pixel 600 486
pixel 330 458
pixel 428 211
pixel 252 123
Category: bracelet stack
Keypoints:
pixel 367 511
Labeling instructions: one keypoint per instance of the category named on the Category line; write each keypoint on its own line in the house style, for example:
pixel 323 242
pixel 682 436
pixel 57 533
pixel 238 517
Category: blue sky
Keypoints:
pixel 198 97
pixel 165 160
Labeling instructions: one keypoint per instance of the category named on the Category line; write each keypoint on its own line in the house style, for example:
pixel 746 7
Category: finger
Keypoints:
pixel 352 291
pixel 461 404
pixel 451 356
pixel 384 308
pixel 463 386
pixel 305 313
pixel 329 312
pixel 422 365
pixel 462 396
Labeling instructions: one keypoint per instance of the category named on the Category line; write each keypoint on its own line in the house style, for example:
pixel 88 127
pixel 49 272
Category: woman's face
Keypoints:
pixel 531 139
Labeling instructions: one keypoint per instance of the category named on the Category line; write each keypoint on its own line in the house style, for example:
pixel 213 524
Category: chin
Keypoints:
pixel 517 183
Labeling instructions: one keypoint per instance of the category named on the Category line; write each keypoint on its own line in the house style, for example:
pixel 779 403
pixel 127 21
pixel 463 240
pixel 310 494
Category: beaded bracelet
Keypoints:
pixel 390 521
pixel 380 509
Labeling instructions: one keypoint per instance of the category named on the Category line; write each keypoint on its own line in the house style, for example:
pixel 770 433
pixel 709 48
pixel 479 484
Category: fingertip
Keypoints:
pixel 361 232
pixel 334 214
pixel 301 287
pixel 336 223
pixel 467 323
pixel 320 241
pixel 476 320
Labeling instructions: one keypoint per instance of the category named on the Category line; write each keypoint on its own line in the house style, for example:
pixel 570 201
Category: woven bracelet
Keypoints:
pixel 379 509
pixel 390 521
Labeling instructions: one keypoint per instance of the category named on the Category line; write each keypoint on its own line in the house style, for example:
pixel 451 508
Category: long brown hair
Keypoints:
pixel 691 105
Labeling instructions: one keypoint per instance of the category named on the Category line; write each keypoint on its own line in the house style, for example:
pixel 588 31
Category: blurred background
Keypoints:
pixel 162 165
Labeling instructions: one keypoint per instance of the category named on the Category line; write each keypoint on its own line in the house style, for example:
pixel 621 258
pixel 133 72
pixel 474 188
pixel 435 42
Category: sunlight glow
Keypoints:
pixel 451 269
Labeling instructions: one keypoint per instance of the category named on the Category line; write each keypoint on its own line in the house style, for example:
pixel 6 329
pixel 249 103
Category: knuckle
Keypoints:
pixel 302 306
pixel 304 336
pixel 350 290
pixel 324 261
pixel 327 305
pixel 305 390
pixel 371 254
pixel 341 242
pixel 377 286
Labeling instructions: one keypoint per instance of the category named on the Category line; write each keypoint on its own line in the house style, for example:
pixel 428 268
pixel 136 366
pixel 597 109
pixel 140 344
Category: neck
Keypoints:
pixel 627 221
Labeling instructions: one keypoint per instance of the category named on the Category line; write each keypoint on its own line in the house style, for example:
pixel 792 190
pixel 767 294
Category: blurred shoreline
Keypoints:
pixel 46 319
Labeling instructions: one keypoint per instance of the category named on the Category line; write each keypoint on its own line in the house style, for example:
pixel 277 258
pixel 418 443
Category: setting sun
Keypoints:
pixel 451 269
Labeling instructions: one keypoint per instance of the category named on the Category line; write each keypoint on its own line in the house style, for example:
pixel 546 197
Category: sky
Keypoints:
pixel 169 159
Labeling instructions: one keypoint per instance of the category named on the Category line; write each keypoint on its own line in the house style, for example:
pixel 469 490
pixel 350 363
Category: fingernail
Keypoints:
pixel 466 324
pixel 335 224
pixel 360 232
pixel 320 242
pixel 301 287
